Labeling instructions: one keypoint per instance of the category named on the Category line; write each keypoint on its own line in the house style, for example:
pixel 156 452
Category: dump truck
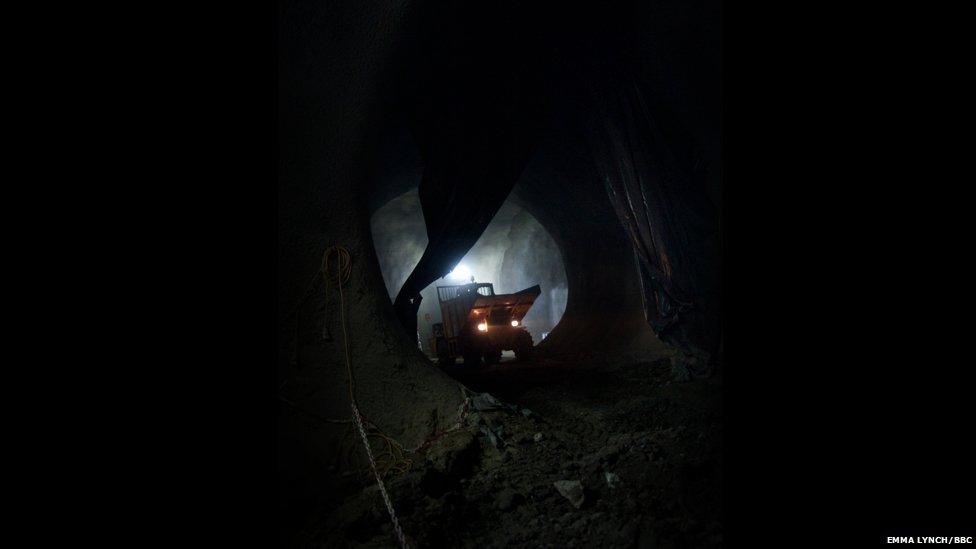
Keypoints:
pixel 478 324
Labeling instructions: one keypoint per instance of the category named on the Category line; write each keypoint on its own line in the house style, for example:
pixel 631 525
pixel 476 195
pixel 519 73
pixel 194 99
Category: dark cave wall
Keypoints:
pixel 636 94
pixel 561 188
pixel 337 81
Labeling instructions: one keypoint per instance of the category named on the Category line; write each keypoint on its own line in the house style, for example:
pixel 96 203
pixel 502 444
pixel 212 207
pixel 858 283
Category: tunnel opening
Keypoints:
pixel 515 252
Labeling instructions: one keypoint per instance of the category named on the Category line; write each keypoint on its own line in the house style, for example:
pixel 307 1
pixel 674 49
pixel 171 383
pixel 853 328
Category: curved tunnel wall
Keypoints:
pixel 561 187
pixel 570 218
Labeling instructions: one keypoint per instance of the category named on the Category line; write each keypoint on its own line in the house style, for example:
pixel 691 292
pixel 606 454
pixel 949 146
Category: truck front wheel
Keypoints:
pixel 523 347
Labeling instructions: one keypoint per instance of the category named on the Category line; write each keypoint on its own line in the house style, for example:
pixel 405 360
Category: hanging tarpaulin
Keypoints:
pixel 666 215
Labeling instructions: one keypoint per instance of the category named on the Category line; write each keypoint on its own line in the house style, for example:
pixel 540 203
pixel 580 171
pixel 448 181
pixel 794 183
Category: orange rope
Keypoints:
pixel 342 276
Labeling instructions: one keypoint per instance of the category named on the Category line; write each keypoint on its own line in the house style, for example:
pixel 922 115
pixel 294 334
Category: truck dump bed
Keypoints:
pixel 477 323
pixel 468 304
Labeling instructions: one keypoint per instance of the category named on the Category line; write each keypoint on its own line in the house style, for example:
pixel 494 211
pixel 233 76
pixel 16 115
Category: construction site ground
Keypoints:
pixel 641 439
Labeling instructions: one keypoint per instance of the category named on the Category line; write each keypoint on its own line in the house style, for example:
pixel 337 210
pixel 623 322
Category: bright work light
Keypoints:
pixel 461 272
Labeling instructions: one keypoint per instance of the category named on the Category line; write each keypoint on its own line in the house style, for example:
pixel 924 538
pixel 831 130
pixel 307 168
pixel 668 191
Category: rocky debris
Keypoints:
pixel 493 435
pixel 681 371
pixel 455 454
pixel 485 402
pixel 507 499
pixel 627 450
pixel 486 416
pixel 688 366
pixel 571 490
pixel 609 453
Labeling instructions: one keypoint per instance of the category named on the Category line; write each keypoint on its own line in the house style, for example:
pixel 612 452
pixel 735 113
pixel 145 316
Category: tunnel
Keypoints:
pixel 573 148
pixel 513 253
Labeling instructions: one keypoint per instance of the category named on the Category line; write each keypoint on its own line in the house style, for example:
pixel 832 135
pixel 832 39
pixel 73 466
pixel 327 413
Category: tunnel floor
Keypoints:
pixel 644 445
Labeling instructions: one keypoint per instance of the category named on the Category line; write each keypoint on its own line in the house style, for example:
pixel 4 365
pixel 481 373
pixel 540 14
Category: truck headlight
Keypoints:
pixel 514 323
pixel 483 327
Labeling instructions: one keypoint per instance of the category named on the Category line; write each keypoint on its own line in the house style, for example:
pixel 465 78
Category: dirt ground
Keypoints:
pixel 642 440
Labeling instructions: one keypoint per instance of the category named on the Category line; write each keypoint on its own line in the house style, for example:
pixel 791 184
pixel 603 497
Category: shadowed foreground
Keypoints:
pixel 643 444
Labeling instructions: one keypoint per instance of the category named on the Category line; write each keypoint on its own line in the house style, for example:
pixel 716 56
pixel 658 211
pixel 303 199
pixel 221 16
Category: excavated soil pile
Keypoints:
pixel 557 454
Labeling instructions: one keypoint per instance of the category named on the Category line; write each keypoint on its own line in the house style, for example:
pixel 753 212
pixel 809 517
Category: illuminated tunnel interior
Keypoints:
pixel 514 253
